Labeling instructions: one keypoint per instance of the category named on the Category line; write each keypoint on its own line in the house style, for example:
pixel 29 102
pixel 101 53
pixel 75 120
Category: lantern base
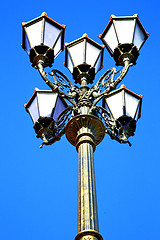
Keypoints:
pixel 42 52
pixel 44 127
pixel 126 126
pixel 83 70
pixel 123 51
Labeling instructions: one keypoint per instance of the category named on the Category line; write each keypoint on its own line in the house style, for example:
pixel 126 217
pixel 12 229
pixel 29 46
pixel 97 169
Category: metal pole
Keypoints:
pixel 87 202
pixel 85 131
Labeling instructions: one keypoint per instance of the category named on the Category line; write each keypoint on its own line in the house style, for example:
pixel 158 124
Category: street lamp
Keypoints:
pixel 125 112
pixel 84 56
pixel 83 121
pixel 124 36
pixel 44 108
pixel 43 38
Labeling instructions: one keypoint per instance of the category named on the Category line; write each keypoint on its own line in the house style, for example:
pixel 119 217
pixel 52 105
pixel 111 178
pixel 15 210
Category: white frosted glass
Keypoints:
pixel 137 113
pixel 131 105
pixel 70 64
pixel 77 53
pixel 91 54
pixel 125 30
pixel 33 110
pixel 50 34
pixel 115 104
pixel 34 32
pixel 138 37
pixel 111 39
pixel 57 47
pixel 46 103
pixel 98 64
pixel 27 45
pixel 60 107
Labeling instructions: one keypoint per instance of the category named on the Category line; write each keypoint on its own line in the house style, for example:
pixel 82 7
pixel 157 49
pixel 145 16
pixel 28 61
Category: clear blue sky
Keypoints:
pixel 38 187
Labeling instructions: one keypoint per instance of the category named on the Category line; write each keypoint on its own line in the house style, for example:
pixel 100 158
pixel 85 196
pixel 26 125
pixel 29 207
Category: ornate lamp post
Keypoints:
pixel 82 121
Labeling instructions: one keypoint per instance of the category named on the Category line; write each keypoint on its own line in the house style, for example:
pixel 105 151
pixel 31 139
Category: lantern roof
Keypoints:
pixel 44 15
pixel 42 91
pixel 85 36
pixel 123 87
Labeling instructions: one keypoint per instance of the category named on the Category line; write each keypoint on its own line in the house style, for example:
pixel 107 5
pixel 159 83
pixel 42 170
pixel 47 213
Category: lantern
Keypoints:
pixel 43 38
pixel 44 108
pixel 84 56
pixel 124 107
pixel 124 36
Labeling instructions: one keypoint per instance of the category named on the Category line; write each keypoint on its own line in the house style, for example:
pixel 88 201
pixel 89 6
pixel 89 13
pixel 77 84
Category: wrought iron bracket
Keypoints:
pixel 84 96
pixel 61 81
pixel 111 126
pixel 59 127
pixel 107 82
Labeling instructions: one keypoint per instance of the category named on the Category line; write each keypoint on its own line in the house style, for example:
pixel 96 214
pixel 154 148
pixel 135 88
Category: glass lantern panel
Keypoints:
pixel 69 63
pixel 98 64
pixel 92 53
pixel 139 37
pixel 27 45
pixel 131 103
pixel 111 39
pixel 33 110
pixel 59 108
pixel 34 33
pixel 58 46
pixel 115 104
pixel 46 102
pixel 77 53
pixel 137 113
pixel 50 34
pixel 125 30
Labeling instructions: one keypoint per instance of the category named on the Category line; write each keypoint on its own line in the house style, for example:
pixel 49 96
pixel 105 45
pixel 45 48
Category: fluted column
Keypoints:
pixel 85 132
pixel 87 203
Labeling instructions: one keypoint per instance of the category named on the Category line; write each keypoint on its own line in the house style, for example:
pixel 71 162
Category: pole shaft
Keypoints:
pixel 87 202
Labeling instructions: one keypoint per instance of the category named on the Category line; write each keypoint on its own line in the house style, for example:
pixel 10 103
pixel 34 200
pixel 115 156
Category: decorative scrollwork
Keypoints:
pixel 62 119
pixel 61 81
pixel 106 79
pixel 108 83
pixel 89 98
pixel 59 127
pixel 111 128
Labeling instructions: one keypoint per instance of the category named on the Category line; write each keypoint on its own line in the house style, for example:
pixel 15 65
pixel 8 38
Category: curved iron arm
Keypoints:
pixel 110 125
pixel 56 87
pixel 109 76
pixel 61 80
pixel 59 127
pixel 107 81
